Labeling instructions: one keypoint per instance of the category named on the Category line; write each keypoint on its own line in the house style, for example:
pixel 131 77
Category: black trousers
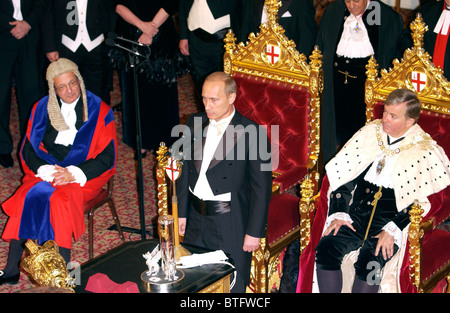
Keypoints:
pixel 213 232
pixel 206 58
pixel 94 68
pixel 19 61
pixel 332 248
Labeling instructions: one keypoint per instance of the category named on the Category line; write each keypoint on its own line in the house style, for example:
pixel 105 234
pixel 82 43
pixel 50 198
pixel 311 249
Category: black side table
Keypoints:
pixel 126 263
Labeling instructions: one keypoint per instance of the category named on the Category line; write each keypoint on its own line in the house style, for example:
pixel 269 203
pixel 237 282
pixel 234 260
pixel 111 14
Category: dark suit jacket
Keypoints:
pixel 249 186
pixel 218 8
pixel 32 11
pixel 430 14
pixel 236 170
pixel 389 43
pixel 301 26
pixel 60 15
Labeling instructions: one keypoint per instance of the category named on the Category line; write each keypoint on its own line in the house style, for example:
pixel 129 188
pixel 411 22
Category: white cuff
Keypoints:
pixel 394 231
pixel 45 172
pixel 78 174
pixel 337 216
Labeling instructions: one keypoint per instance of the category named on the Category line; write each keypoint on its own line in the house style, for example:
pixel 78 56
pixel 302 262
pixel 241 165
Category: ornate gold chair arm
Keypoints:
pixel 307 205
pixel 417 229
pixel 415 236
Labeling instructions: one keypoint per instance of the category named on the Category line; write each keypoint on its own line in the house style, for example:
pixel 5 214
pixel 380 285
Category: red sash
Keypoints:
pixel 439 49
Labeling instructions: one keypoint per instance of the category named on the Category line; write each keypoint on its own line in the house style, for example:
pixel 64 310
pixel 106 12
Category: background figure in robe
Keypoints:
pixel 151 23
pixel 68 155
pixel 19 60
pixel 436 14
pixel 297 17
pixel 350 32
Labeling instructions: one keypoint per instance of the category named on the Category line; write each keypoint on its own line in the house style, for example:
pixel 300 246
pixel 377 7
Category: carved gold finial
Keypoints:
pixel 230 42
pixel 272 7
pixel 372 69
pixel 47 266
pixel 307 188
pixel 316 59
pixel 418 28
pixel 416 214
pixel 230 46
pixel 161 151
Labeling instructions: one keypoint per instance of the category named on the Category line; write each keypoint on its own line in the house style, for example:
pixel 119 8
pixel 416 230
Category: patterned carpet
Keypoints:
pixel 125 190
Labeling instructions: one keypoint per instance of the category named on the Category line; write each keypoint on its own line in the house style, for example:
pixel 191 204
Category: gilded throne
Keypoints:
pixel 426 261
pixel 278 88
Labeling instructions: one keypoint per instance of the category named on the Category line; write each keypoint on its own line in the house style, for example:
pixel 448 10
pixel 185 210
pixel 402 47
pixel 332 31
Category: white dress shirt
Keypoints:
pixel 202 189
pixel 354 42
pixel 83 37
pixel 17 15
pixel 67 137
pixel 200 16
pixel 443 23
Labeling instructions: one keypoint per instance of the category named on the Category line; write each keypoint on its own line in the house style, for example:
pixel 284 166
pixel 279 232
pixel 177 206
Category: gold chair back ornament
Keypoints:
pixel 415 71
pixel 47 267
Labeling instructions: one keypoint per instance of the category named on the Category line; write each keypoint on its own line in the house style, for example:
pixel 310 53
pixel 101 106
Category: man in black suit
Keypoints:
pixel 436 14
pixel 19 59
pixel 76 30
pixel 224 188
pixel 203 27
pixel 350 32
pixel 297 17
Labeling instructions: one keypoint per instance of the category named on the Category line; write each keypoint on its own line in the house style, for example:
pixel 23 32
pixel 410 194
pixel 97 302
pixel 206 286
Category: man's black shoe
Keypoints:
pixel 9 280
pixel 6 160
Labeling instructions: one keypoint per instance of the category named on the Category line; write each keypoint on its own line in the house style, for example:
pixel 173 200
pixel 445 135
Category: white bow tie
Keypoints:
pixel 220 126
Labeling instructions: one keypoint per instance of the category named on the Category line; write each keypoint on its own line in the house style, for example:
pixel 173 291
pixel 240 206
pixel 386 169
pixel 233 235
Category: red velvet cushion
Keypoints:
pixel 275 104
pixel 283 216
pixel 436 251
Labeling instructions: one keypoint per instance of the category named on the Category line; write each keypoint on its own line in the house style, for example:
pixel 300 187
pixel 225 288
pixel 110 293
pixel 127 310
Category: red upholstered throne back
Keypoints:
pixel 283 108
pixel 438 127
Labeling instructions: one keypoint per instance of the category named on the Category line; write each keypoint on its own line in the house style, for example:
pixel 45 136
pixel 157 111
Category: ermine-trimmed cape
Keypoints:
pixel 420 173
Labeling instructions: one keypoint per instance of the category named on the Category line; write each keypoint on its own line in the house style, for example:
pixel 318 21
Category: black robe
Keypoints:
pixel 390 44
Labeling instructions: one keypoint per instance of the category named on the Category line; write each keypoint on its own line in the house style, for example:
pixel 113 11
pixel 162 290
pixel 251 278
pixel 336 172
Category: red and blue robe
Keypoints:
pixel 40 210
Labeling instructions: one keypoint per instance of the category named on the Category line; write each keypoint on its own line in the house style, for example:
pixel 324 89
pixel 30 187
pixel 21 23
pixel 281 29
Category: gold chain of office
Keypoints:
pixel 386 151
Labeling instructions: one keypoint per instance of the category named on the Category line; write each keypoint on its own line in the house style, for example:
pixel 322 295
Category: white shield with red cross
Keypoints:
pixel 419 80
pixel 273 53
pixel 172 169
